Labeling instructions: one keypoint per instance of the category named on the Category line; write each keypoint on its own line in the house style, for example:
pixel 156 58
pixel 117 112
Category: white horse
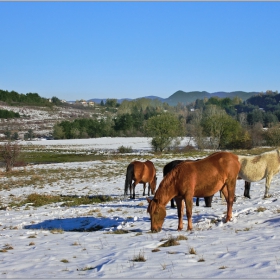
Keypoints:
pixel 258 167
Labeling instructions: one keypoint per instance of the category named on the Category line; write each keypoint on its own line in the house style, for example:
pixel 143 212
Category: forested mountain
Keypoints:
pixel 189 97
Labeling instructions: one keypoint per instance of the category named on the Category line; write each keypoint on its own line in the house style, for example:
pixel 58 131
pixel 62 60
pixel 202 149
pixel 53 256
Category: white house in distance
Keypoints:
pixel 85 103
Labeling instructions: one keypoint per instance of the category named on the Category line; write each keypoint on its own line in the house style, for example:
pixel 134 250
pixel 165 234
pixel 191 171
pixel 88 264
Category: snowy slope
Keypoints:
pixel 53 242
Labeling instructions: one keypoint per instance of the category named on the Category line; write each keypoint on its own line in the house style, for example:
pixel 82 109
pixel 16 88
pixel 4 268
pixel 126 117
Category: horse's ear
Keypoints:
pixel 148 199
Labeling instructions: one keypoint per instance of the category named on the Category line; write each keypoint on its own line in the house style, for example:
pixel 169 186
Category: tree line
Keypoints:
pixel 217 123
pixel 15 98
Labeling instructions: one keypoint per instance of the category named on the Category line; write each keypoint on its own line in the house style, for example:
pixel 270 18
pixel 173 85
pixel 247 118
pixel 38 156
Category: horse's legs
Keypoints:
pixel 130 188
pixel 180 211
pixel 267 185
pixel 247 189
pixel 228 191
pixel 189 206
pixel 172 203
pixel 144 189
pixel 133 187
pixel 197 201
pixel 208 200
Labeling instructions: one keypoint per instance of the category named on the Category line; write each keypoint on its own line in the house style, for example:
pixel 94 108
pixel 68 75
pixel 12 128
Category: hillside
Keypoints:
pixel 99 100
pixel 189 97
pixel 40 119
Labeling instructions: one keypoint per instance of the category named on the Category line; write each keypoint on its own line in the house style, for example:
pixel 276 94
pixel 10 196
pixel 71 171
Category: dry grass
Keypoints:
pixel 139 258
pixel 192 251
pixel 201 259
pixel 6 247
pixel 260 209
pixel 117 231
pixel 155 250
pixel 86 268
pixel 223 267
pixel 57 230
pixel 173 241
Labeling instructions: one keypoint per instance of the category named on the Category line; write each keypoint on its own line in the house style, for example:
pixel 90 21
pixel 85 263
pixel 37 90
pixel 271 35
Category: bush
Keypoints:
pixel 124 150
pixel 9 153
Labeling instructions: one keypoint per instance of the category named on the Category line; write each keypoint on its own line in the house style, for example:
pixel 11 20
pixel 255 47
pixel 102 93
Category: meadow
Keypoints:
pixel 64 215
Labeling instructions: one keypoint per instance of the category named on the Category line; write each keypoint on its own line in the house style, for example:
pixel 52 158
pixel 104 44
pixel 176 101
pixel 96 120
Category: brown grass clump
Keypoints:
pixel 139 258
pixel 118 231
pixel 260 209
pixel 171 241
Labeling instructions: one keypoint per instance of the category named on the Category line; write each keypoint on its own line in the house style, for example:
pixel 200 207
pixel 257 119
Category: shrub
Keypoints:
pixel 139 258
pixel 9 153
pixel 123 149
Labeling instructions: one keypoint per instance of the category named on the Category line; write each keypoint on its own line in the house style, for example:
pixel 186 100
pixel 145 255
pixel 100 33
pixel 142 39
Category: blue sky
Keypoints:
pixel 84 50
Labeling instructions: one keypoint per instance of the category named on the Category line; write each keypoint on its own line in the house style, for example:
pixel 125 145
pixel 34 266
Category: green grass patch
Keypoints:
pixel 38 200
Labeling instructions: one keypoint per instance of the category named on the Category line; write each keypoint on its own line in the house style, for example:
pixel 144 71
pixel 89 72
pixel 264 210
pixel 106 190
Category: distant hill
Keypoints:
pixel 98 100
pixel 189 97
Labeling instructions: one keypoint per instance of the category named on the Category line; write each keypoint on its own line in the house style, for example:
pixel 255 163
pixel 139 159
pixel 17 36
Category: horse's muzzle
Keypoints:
pixel 156 230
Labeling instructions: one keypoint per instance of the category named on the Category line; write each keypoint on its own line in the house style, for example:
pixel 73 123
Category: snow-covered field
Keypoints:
pixel 53 242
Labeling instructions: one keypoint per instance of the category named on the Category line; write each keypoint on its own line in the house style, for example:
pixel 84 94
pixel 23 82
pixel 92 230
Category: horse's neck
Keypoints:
pixel 164 195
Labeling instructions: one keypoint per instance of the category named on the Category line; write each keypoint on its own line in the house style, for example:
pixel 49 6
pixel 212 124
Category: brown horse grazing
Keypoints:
pixel 140 172
pixel 201 178
pixel 168 167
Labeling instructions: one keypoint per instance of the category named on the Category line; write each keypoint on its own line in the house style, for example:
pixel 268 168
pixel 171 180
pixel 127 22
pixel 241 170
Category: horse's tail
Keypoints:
pixel 128 177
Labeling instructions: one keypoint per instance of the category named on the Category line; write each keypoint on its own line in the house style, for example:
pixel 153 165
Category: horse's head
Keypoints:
pixel 157 213
pixel 153 184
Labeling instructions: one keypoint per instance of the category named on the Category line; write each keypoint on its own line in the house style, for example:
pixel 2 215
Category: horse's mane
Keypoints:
pixel 169 179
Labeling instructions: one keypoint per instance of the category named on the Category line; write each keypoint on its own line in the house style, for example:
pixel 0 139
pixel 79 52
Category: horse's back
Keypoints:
pixel 207 176
pixel 223 162
pixel 257 167
pixel 149 170
pixel 143 171
pixel 169 166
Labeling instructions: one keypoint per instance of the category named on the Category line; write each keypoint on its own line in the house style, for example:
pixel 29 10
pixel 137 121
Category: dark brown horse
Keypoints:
pixel 168 167
pixel 140 172
pixel 200 178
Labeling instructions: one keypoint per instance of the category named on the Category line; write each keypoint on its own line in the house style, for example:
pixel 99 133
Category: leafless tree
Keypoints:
pixel 9 152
